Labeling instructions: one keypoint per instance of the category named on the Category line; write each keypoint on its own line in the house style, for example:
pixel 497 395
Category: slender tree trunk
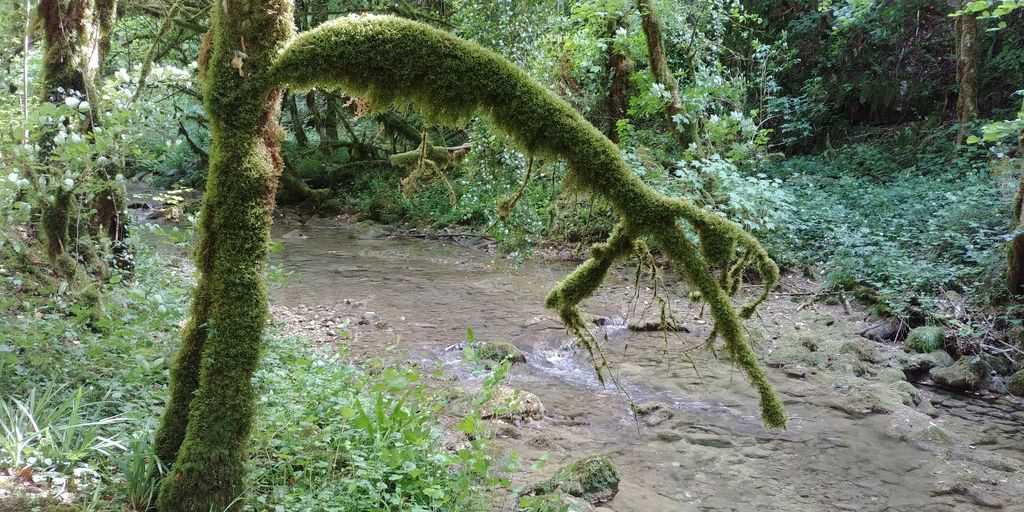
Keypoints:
pixel 106 16
pixel 1015 249
pixel 619 68
pixel 207 422
pixel 314 112
pixel 24 68
pixel 147 62
pixel 683 129
pixel 966 71
pixel 331 117
pixel 297 128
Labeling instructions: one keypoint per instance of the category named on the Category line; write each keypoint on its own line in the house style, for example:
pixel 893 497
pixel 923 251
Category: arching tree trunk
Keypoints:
pixel 685 131
pixel 966 71
pixel 206 425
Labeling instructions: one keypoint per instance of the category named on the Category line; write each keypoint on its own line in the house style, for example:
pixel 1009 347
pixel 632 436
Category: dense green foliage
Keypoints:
pixel 824 128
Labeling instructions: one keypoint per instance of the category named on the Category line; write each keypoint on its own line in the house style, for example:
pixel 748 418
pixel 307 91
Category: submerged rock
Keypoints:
pixel 592 478
pixel 966 374
pixel 925 339
pixel 653 413
pixel 513 405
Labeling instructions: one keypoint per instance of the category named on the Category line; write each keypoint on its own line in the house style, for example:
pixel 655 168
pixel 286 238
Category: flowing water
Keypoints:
pixel 420 296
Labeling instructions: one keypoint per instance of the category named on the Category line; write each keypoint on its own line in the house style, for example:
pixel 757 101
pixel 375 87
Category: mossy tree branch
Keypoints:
pixel 395 61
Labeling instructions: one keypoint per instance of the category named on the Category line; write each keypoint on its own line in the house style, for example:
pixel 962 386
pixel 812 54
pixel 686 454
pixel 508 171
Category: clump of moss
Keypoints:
pixel 496 352
pixel 967 373
pixel 926 339
pixel 554 503
pixel 1015 384
pixel 592 478
pixel 392 60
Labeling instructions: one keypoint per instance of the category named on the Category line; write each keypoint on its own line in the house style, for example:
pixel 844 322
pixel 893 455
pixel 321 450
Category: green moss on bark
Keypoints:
pixel 206 426
pixel 391 60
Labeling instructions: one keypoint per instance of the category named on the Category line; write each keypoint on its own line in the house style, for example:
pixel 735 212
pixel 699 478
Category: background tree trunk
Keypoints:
pixel 619 68
pixel 1015 249
pixel 966 71
pixel 297 128
pixel 684 131
pixel 206 425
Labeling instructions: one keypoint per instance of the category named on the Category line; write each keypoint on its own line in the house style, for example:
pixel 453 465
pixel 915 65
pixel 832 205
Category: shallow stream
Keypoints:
pixel 420 296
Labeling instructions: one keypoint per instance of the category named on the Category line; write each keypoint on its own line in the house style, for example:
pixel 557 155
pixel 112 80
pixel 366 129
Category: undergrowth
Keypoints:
pixel 79 399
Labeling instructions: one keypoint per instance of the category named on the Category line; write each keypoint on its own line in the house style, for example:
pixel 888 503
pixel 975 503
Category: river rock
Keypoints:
pixel 653 413
pixel 916 364
pixel 497 352
pixel 295 234
pixel 968 373
pixel 919 430
pixel 513 405
pixel 925 339
pixel 592 478
pixel 1015 383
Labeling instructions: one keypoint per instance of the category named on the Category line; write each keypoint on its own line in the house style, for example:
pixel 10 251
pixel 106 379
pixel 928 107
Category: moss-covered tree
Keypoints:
pixel 76 41
pixel 392 61
pixel 206 422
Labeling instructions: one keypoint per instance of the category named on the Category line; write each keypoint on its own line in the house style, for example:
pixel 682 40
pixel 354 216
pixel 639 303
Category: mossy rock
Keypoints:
pixel 891 375
pixel 863 398
pixel 968 373
pixel 926 339
pixel 998 364
pixel 513 405
pixel 653 413
pixel 497 352
pixel 864 350
pixel 592 478
pixel 915 364
pixel 559 502
pixel 1015 384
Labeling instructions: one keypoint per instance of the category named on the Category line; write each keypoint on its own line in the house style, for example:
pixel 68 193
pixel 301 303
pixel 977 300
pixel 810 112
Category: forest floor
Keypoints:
pixel 860 436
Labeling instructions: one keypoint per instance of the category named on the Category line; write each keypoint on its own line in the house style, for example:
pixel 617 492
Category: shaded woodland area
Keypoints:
pixel 819 192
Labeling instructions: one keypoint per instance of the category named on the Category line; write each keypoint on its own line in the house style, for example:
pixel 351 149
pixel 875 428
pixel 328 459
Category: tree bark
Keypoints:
pixel 208 419
pixel 966 71
pixel 684 130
